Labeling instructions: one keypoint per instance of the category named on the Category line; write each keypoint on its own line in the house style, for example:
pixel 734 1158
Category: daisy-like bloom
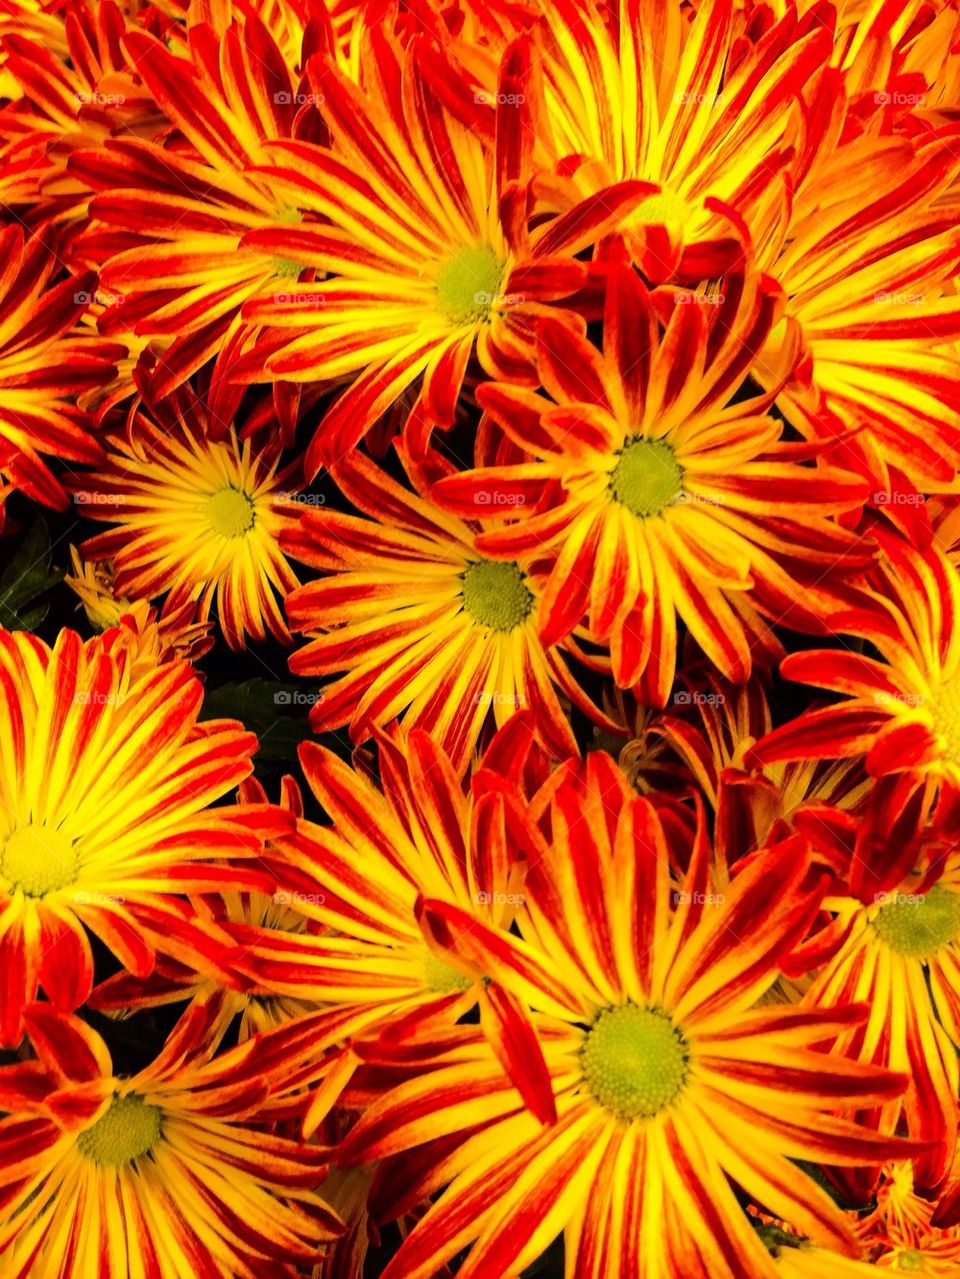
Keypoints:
pixel 889 937
pixel 198 518
pixel 167 225
pixel 105 787
pixel 44 366
pixel 652 496
pixel 899 1234
pixel 423 624
pixel 362 877
pixel 75 88
pixel 669 1083
pixel 864 264
pixel 686 104
pixel 901 712
pixel 421 223
pixel 166 1173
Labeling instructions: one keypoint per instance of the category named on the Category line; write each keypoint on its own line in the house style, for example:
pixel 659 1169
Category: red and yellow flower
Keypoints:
pixel 44 366
pixel 900 1235
pixel 901 712
pixel 425 627
pixel 198 519
pixel 420 223
pixel 682 101
pixel 362 877
pixel 652 496
pixel 170 634
pixel 166 1173
pixel 889 939
pixel 670 1084
pixel 106 783
pixel 168 224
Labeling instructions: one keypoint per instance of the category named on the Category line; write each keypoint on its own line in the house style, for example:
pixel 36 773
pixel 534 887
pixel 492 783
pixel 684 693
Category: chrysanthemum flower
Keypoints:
pixel 195 517
pixel 424 625
pixel 890 937
pixel 105 787
pixel 362 878
pixel 167 225
pixel 652 496
pixel 903 712
pixel 669 1083
pixel 44 366
pixel 899 1234
pixel 865 267
pixel 166 1173
pixel 75 87
pixel 683 103
pixel 421 222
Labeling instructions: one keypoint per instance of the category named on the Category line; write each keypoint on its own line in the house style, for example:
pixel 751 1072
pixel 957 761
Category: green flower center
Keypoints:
pixel 635 1061
pixel 443 978
pixel 231 512
pixel 38 860
pixel 918 926
pixel 496 595
pixel 648 478
pixel 128 1130
pixel 945 710
pixel 910 1259
pixel 664 208
pixel 286 268
pixel 468 284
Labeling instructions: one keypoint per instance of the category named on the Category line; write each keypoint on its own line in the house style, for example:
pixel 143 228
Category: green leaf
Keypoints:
pixel 277 713
pixel 26 579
